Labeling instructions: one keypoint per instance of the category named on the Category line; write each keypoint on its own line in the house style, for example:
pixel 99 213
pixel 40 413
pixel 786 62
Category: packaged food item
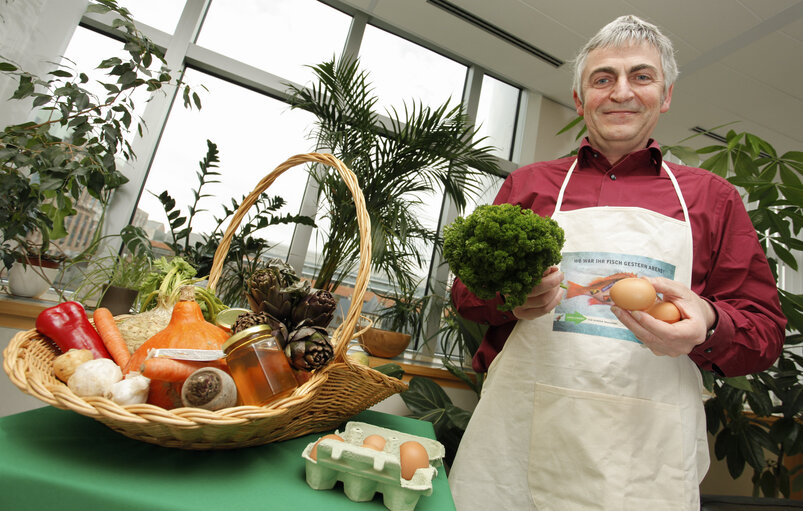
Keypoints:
pixel 366 470
pixel 225 319
pixel 259 366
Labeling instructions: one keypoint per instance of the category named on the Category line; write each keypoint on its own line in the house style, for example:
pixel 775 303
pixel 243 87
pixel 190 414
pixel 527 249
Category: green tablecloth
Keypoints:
pixel 60 460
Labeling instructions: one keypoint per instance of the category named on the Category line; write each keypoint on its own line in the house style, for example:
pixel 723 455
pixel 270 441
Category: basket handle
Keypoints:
pixel 363 221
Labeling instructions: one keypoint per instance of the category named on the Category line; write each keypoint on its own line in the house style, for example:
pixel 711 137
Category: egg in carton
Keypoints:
pixel 364 471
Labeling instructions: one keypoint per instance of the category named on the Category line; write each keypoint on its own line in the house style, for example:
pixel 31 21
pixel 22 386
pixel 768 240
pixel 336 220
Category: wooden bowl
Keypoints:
pixel 384 343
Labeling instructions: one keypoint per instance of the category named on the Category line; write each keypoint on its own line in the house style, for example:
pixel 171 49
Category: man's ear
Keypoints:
pixel 578 105
pixel 667 99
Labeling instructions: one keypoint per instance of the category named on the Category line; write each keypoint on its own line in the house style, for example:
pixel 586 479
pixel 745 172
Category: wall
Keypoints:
pixel 32 34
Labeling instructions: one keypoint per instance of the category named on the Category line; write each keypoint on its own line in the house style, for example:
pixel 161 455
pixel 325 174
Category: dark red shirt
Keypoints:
pixel 729 268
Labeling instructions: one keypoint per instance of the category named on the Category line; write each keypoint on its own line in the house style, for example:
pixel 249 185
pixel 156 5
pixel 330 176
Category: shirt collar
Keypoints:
pixel 590 157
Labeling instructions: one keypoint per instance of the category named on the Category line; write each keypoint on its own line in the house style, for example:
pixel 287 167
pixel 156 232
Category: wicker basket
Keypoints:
pixel 331 396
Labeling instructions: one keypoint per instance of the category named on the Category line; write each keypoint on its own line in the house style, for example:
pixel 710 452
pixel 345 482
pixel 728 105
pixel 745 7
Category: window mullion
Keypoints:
pixel 438 270
pixel 123 206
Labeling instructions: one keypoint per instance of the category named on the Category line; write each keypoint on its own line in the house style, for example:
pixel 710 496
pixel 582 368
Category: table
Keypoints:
pixel 60 460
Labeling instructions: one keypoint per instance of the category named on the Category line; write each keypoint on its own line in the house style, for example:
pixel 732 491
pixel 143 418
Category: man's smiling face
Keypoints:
pixel 623 96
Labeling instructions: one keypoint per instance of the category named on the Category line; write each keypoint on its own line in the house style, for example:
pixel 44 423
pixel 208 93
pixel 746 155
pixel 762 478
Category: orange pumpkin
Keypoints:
pixel 187 330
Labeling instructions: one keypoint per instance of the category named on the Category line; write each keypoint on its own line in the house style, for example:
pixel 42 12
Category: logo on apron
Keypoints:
pixel 589 277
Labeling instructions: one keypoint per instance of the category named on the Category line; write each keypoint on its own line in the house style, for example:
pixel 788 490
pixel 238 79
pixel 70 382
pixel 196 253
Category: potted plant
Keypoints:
pixel 756 419
pixel 75 143
pixel 395 323
pixel 33 273
pixel 416 151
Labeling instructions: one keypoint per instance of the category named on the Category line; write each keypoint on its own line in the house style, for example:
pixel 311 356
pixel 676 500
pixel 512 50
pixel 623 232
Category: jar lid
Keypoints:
pixel 225 319
pixel 245 335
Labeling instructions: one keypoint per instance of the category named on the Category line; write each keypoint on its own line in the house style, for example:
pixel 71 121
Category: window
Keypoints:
pixel 280 36
pixel 159 14
pixel 253 133
pixel 496 115
pixel 402 71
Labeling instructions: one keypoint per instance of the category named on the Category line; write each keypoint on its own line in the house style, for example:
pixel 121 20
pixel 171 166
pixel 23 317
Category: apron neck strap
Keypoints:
pixel 675 185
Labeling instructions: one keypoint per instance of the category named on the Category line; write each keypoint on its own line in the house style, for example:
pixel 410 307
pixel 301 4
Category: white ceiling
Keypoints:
pixel 740 60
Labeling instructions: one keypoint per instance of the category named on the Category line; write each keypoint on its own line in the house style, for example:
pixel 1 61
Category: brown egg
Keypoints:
pixel 314 452
pixel 633 294
pixel 665 311
pixel 374 442
pixel 412 456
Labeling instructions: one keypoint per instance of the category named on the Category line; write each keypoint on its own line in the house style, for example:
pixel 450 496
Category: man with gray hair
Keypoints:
pixel 587 405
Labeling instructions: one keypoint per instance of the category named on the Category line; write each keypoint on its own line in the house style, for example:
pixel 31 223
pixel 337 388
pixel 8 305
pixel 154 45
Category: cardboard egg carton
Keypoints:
pixel 365 471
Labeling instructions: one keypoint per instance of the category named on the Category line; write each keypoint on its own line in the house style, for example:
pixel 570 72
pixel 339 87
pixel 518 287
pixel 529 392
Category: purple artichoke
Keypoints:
pixel 308 348
pixel 315 309
pixel 276 289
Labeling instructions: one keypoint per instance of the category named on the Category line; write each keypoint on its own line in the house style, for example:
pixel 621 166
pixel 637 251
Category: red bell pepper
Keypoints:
pixel 68 326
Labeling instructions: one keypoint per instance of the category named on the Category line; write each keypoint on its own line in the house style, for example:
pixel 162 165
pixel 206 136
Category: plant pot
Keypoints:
pixel 118 300
pixel 384 343
pixel 32 279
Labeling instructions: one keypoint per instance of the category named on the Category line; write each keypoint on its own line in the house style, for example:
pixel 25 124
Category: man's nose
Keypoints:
pixel 622 90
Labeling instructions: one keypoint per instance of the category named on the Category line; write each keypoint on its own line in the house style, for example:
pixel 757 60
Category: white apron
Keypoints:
pixel 577 414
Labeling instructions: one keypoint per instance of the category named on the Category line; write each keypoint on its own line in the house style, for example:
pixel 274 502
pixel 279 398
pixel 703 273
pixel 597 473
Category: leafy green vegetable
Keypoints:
pixel 502 249
pixel 165 281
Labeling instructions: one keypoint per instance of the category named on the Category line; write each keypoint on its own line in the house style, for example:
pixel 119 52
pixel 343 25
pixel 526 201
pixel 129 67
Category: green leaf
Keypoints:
pixel 458 416
pixel 61 73
pixel 24 89
pixel 739 382
pixel 792 193
pixel 718 164
pixel 7 67
pixel 686 154
pixel 784 255
pixel 390 369
pixel 768 484
pixel 97 8
pixel 572 124
pixel 424 395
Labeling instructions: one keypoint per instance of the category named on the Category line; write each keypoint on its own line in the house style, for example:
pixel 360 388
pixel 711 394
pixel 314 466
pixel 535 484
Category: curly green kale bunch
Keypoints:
pixel 502 249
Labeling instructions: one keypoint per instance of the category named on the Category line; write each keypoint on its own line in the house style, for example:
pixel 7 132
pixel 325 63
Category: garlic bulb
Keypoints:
pixel 95 377
pixel 133 390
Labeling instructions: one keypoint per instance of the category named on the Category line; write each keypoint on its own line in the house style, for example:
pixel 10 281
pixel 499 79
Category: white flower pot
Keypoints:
pixel 27 281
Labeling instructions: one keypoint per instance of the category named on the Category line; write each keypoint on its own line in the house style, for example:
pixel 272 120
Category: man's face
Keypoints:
pixel 623 95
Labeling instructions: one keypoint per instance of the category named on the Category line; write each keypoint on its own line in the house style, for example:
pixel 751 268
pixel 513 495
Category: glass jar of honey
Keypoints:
pixel 259 366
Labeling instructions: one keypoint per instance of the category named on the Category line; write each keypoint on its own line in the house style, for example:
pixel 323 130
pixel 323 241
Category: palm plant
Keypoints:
pixel 397 162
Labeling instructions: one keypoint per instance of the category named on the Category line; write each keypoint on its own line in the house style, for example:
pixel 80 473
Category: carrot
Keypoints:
pixel 111 336
pixel 167 369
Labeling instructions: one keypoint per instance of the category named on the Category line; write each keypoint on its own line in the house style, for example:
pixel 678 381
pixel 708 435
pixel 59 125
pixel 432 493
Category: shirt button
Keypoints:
pixel 708 350
pixel 613 177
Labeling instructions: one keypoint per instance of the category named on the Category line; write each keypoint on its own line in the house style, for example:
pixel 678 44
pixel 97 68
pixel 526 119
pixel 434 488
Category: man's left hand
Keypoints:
pixel 676 339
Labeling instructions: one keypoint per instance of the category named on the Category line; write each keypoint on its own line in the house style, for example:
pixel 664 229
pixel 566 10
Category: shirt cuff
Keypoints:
pixel 715 346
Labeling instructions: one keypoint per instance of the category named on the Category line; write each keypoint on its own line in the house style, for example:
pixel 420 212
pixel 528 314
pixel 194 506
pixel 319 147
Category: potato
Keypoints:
pixel 64 365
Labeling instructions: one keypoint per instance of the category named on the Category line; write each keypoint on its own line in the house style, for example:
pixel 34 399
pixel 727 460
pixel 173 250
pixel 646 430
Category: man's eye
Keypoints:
pixel 643 78
pixel 598 82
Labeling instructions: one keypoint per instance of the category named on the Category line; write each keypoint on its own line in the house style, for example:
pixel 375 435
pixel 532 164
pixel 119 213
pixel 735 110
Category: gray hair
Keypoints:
pixel 624 31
